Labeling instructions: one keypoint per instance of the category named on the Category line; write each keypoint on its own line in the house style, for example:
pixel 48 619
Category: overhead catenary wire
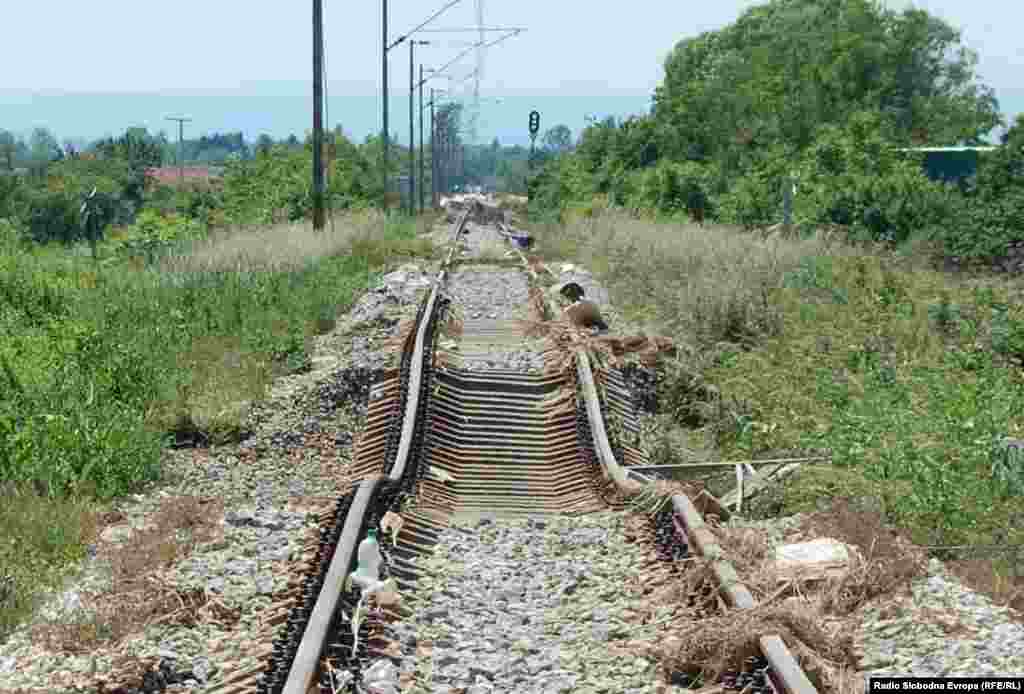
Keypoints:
pixel 466 29
pixel 478 44
pixel 403 37
pixel 385 47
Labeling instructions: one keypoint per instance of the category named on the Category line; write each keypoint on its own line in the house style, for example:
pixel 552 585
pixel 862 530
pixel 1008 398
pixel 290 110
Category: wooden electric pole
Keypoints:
pixel 433 154
pixel 422 153
pixel 384 98
pixel 412 123
pixel 181 148
pixel 318 116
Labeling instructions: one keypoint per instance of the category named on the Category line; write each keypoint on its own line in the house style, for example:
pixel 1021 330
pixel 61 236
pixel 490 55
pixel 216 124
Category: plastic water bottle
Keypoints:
pixel 367 573
pixel 369 554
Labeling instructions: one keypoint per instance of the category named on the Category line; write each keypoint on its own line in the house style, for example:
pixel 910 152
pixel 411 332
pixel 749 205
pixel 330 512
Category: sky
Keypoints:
pixel 243 50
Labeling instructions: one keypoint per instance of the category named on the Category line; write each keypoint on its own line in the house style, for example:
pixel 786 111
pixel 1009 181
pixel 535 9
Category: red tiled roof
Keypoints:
pixel 170 174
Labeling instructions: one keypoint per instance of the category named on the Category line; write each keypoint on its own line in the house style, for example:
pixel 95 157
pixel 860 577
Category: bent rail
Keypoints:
pixel 786 671
pixel 305 664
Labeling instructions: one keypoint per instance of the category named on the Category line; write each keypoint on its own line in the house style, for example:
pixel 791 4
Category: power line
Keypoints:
pixel 478 44
pixel 384 78
pixel 456 30
pixel 432 17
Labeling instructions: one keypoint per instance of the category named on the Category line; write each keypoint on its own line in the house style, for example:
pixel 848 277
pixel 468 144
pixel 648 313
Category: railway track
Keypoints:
pixel 443 442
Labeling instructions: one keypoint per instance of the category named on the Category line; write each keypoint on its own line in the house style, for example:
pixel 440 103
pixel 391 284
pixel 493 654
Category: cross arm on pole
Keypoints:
pixel 396 42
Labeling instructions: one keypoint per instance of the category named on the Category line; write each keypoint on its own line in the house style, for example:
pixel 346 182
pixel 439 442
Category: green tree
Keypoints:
pixel 136 147
pixel 558 139
pixel 263 143
pixel 44 149
pixel 994 213
pixel 8 149
pixel 788 66
pixel 448 122
pixel 747 101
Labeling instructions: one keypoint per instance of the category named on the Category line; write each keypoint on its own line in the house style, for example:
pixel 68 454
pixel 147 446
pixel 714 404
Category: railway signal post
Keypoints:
pixel 534 129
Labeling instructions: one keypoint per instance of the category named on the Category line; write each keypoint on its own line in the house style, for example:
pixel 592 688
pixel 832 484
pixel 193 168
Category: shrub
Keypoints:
pixel 752 201
pixel 275 186
pixel 854 177
pixel 993 214
pixel 153 234
pixel 674 187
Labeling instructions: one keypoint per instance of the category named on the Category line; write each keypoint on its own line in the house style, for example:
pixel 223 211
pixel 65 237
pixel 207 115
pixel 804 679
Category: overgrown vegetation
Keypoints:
pixel 820 94
pixel 836 335
pixel 908 377
pixel 106 359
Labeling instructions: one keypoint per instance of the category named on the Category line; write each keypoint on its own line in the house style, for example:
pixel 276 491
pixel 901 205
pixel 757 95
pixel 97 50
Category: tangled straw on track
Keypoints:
pixel 709 647
pixel 605 350
pixel 881 563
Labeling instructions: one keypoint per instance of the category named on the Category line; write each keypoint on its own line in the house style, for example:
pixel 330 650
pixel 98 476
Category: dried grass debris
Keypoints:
pixel 709 647
pixel 137 595
pixel 888 560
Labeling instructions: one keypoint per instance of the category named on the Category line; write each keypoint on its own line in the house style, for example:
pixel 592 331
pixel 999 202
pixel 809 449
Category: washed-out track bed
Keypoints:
pixel 441 441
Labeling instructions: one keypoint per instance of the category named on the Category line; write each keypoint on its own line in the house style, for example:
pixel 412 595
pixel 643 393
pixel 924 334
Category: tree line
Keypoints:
pixel 822 94
pixel 102 190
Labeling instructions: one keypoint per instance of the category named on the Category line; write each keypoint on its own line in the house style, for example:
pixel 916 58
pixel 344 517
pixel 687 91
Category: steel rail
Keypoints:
pixel 412 403
pixel 307 658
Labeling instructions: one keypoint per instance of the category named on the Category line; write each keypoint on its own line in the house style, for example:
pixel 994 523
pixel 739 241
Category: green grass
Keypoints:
pixel 907 376
pixel 38 540
pixel 910 377
pixel 101 362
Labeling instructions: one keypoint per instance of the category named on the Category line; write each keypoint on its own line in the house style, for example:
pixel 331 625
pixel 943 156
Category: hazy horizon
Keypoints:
pixel 286 109
pixel 90 116
pixel 247 69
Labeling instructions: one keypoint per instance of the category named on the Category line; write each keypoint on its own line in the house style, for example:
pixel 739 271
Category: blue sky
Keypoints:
pixel 230 48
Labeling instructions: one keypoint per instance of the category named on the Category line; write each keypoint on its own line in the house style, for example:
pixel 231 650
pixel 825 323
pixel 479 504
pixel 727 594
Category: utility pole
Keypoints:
pixel 422 153
pixel 441 153
pixel 433 154
pixel 412 147
pixel 181 146
pixel 446 147
pixel 386 47
pixel 384 79
pixel 318 115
